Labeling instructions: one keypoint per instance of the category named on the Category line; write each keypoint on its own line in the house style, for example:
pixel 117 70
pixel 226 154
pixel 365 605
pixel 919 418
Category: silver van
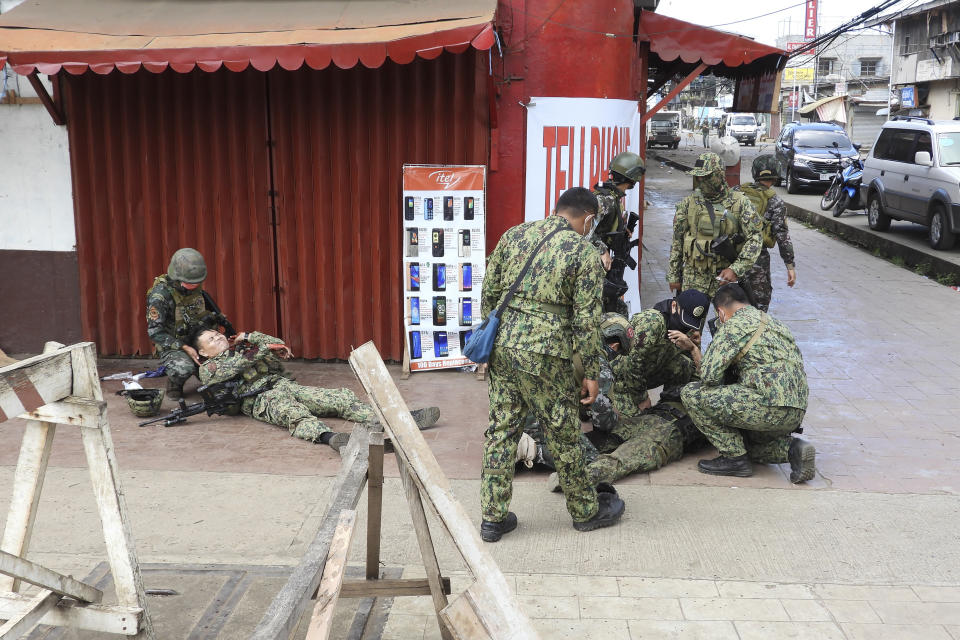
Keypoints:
pixel 913 174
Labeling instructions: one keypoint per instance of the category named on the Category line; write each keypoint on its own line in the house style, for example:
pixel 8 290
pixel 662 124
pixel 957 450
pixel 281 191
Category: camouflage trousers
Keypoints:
pixel 703 281
pixel 299 408
pixel 522 382
pixel 179 366
pixel 759 279
pixel 648 442
pixel 735 420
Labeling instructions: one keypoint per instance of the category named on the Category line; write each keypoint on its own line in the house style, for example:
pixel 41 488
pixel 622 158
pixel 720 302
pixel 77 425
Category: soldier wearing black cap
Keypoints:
pixel 773 213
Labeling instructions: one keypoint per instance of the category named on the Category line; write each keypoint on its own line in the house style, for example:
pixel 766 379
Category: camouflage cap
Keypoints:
pixel 144 403
pixel 706 164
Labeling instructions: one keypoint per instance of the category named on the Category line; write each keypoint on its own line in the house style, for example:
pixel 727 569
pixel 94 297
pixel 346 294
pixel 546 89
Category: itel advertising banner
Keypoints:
pixel 570 142
pixel 444 242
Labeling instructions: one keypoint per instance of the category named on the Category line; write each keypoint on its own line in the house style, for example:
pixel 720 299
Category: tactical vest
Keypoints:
pixel 190 308
pixel 760 198
pixel 702 231
pixel 614 225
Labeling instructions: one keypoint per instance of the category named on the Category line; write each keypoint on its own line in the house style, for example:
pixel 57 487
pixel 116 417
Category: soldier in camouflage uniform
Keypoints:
pixel 712 212
pixel 554 313
pixel 753 393
pixel 254 361
pixel 773 213
pixel 626 169
pixel 176 308
pixel 663 353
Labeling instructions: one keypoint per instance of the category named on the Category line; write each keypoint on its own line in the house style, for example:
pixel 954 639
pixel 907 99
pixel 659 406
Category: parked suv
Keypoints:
pixel 805 154
pixel 913 174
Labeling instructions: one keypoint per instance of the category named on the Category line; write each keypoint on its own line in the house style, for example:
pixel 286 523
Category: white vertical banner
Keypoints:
pixel 570 142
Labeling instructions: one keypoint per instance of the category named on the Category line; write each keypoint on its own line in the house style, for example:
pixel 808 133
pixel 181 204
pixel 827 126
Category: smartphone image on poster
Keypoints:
pixel 415 350
pixel 413 276
pixel 439 277
pixel 408 208
pixel 448 208
pixel 466 311
pixel 463 243
pixel 413 243
pixel 440 344
pixel 468 208
pixel 428 208
pixel 464 336
pixel 466 277
pixel 440 310
pixel 414 310
pixel 437 238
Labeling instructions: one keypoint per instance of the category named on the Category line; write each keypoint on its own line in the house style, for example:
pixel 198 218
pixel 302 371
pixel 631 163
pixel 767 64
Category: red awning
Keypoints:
pixel 127 35
pixel 726 53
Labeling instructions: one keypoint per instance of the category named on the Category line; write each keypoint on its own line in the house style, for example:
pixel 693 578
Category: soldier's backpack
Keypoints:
pixel 760 198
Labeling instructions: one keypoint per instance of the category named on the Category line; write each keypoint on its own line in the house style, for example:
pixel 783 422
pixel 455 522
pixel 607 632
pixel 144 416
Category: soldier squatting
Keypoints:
pixel 565 349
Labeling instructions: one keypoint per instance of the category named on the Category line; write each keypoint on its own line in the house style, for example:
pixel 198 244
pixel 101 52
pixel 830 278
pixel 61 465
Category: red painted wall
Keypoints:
pixel 551 48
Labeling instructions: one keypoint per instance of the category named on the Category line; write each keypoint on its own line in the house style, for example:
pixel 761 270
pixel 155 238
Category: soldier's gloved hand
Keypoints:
pixel 589 390
pixel 791 277
pixel 281 350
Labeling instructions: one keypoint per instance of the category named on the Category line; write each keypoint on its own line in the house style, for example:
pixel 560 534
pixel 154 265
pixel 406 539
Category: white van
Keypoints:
pixel 743 127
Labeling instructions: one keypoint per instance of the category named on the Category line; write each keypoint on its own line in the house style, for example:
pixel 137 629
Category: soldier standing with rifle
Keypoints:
pixel 613 231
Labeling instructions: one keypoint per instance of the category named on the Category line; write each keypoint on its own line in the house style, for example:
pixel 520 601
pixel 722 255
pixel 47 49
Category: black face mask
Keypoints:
pixel 674 323
pixel 611 354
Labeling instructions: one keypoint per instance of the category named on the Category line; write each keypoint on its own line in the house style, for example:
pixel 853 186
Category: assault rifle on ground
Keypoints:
pixel 621 245
pixel 218 399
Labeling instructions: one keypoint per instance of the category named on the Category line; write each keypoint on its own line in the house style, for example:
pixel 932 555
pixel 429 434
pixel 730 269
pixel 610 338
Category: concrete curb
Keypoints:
pixel 862 238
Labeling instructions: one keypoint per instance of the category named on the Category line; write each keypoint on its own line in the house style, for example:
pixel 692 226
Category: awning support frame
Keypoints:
pixel 47 101
pixel 683 84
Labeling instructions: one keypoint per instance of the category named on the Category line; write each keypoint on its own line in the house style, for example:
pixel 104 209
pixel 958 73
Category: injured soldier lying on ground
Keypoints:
pixel 253 361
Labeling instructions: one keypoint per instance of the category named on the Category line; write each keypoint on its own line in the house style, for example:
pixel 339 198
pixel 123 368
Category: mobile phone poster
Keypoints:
pixel 444 246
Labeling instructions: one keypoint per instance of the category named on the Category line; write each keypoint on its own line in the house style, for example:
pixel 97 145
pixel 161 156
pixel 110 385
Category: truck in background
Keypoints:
pixel 664 129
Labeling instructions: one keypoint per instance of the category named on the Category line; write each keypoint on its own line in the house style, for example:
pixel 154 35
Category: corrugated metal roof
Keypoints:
pixel 127 35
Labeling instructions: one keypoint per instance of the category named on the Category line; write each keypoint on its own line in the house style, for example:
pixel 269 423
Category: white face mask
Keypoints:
pixel 588 226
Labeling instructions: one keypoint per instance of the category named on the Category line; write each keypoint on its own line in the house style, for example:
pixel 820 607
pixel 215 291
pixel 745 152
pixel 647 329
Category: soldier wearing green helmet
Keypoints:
pixel 773 217
pixel 626 169
pixel 716 232
pixel 176 307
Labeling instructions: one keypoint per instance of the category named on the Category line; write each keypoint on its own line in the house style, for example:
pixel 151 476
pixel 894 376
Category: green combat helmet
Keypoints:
pixel 627 166
pixel 144 403
pixel 707 164
pixel 765 167
pixel 187 265
pixel 614 326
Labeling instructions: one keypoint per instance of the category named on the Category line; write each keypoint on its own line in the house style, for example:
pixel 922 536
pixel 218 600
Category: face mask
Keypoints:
pixel 610 353
pixel 674 324
pixel 713 185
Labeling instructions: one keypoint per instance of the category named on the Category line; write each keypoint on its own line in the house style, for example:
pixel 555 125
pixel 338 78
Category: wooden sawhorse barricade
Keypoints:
pixel 61 387
pixel 487 609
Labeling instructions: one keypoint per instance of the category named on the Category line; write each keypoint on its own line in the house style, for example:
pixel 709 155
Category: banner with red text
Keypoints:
pixel 570 142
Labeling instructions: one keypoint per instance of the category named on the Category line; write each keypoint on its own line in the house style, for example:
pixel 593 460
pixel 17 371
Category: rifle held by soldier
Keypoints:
pixel 621 245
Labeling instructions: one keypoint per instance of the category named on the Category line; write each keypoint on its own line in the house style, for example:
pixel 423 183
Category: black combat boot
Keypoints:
pixel 802 457
pixel 493 531
pixel 338 440
pixel 721 466
pixel 611 508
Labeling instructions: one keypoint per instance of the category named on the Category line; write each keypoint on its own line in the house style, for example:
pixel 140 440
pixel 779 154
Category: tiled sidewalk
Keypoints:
pixel 603 607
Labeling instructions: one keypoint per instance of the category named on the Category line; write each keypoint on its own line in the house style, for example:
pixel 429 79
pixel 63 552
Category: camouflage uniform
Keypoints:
pixel 609 218
pixel 646 442
pixel 757 413
pixel 554 313
pixel 172 315
pixel 284 402
pixel 692 263
pixel 759 275
pixel 653 361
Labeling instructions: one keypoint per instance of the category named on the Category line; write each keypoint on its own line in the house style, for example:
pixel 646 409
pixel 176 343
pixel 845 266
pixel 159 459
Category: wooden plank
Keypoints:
pixel 27 486
pixel 86 380
pixel 462 620
pixel 389 587
pixel 72 410
pixel 5 359
pixel 500 611
pixel 91 617
pixel 333 571
pixel 19 625
pixel 374 504
pixel 47 579
pixel 288 606
pixel 427 552
pixel 34 382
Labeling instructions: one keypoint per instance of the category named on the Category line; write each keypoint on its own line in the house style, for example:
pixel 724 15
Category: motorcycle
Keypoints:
pixel 844 190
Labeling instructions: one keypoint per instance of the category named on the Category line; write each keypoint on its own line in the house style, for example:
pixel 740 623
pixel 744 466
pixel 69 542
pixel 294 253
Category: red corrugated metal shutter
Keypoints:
pixel 341 138
pixel 167 161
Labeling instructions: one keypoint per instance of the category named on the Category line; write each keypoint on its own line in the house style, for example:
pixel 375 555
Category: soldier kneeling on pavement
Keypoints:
pixel 753 392
pixel 254 360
